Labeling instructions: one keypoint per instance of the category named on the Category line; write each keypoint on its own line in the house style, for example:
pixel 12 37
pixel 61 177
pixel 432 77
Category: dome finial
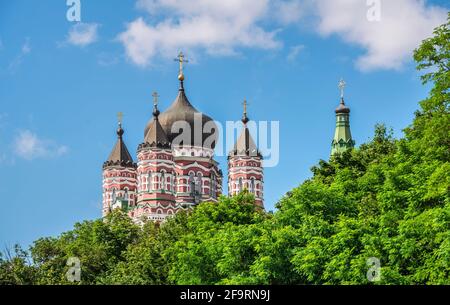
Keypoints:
pixel 342 108
pixel 119 120
pixel 181 59
pixel 155 105
pixel 245 119
pixel 341 87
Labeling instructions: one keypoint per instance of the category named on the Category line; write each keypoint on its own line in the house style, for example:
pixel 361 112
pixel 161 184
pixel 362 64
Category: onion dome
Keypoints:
pixel 120 156
pixel 155 135
pixel 182 111
pixel 342 108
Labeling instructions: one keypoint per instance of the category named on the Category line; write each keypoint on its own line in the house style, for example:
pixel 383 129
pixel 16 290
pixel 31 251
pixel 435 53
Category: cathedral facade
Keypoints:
pixel 175 167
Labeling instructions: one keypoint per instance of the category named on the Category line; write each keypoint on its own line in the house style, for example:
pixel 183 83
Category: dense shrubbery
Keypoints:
pixel 387 199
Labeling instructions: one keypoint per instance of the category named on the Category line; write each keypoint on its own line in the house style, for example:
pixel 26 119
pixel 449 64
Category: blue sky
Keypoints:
pixel 62 83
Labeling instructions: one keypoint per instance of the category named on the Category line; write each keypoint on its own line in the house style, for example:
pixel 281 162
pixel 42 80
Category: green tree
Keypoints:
pixel 220 244
pixel 16 268
pixel 99 245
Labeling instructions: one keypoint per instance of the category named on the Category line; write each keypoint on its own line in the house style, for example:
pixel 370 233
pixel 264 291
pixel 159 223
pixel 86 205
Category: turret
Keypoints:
pixel 245 170
pixel 342 140
pixel 119 177
pixel 156 173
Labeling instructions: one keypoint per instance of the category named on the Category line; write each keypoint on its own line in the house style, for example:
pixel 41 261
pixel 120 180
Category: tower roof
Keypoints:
pixel 120 156
pixel 155 135
pixel 245 145
pixel 342 108
pixel 342 139
pixel 182 110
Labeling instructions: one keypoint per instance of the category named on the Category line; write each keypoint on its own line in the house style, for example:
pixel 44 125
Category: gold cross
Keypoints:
pixel 341 86
pixel 120 117
pixel 181 59
pixel 155 98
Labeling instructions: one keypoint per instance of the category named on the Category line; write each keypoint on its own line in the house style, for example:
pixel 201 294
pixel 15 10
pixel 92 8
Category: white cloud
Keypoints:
pixel 29 146
pixel 388 43
pixel 290 11
pixel 294 51
pixel 83 34
pixel 224 27
pixel 24 51
pixel 217 27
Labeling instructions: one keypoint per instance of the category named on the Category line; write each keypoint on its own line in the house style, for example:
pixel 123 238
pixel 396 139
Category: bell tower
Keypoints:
pixel 156 173
pixel 342 140
pixel 245 170
pixel 119 176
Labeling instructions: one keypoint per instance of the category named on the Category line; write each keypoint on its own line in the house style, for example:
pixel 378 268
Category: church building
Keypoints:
pixel 176 171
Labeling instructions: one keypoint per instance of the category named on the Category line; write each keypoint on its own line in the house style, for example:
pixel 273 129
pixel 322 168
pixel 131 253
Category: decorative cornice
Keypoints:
pixel 122 163
pixel 160 145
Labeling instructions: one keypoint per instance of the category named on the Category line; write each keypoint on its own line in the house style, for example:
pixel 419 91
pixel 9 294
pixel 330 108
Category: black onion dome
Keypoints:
pixel 342 108
pixel 182 110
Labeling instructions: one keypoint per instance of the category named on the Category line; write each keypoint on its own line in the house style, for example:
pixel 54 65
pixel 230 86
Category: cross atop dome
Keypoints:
pixel 120 118
pixel 342 84
pixel 181 59
pixel 155 104
pixel 155 98
pixel 245 119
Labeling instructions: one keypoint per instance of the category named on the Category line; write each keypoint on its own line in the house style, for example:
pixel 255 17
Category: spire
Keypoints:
pixel 342 140
pixel 245 146
pixel 181 59
pixel 120 155
pixel 155 136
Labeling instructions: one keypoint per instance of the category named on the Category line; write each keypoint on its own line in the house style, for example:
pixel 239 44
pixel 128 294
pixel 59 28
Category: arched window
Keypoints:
pixel 252 185
pixel 212 186
pixel 114 196
pixel 125 195
pixel 149 182
pixel 163 181
pixel 241 186
pixel 192 184
pixel 175 190
pixel 198 184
